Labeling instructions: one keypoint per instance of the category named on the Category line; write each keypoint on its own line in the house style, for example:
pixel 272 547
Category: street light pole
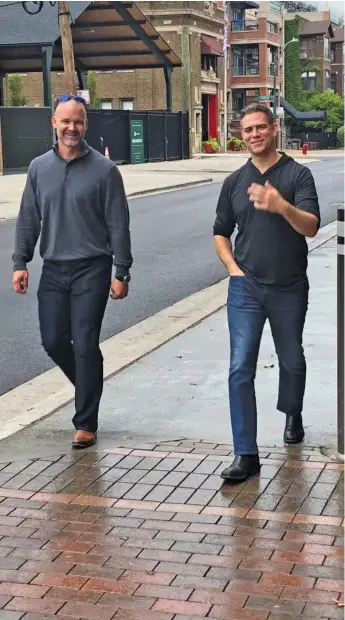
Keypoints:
pixel 276 96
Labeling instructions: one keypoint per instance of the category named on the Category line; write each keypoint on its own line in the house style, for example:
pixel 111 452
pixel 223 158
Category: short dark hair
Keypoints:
pixel 258 107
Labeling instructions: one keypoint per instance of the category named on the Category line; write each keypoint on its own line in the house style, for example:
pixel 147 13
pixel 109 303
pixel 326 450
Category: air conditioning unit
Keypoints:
pixel 303 56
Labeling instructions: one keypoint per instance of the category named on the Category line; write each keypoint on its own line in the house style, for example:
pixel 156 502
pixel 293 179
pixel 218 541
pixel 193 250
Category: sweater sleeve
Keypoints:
pixel 117 221
pixel 28 225
pixel 225 222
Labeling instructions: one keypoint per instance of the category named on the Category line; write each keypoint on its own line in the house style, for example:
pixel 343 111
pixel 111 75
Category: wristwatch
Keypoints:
pixel 126 278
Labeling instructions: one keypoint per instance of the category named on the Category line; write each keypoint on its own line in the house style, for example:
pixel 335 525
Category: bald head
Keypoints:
pixel 70 123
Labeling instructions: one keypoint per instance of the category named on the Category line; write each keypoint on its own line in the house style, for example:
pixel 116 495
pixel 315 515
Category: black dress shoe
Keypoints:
pixel 242 467
pixel 84 443
pixel 294 431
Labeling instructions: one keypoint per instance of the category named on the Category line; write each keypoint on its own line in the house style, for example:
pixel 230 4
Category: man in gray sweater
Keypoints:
pixel 74 198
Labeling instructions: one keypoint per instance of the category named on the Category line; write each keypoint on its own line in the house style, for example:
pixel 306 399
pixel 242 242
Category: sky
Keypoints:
pixel 337 5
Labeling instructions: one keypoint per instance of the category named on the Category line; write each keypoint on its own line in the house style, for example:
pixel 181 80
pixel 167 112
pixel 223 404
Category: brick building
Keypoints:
pixel 337 61
pixel 255 41
pixel 315 53
pixel 322 45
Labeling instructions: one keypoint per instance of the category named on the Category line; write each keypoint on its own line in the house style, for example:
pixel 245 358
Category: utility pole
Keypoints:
pixel 67 47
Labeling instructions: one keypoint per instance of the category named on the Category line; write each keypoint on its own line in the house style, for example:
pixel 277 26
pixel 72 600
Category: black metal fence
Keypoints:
pixel 166 134
pixel 26 133
pixel 318 139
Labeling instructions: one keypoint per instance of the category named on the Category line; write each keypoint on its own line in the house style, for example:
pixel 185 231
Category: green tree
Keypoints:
pixel 15 84
pixel 293 69
pixel 92 87
pixel 329 102
pixel 340 136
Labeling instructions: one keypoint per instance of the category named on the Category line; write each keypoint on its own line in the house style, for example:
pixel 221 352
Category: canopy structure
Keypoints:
pixel 313 115
pixel 210 45
pixel 106 36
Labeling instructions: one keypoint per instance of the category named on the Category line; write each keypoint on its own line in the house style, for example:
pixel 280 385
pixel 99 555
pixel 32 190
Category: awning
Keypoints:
pixel 313 115
pixel 210 45
pixel 106 36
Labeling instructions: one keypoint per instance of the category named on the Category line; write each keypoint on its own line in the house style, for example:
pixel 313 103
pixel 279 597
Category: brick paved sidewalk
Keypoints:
pixel 151 533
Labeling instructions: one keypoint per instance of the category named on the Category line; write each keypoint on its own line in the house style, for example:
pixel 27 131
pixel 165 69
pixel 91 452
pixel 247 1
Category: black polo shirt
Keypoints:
pixel 267 248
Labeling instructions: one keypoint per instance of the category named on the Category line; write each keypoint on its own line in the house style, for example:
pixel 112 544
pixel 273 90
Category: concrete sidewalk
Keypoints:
pixel 180 389
pixel 143 527
pixel 142 179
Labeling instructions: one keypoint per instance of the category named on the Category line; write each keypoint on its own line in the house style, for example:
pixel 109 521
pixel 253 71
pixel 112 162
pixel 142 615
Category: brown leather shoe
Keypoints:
pixel 84 439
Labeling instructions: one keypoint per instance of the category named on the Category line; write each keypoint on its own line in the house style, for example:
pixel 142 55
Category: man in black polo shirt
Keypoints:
pixel 273 202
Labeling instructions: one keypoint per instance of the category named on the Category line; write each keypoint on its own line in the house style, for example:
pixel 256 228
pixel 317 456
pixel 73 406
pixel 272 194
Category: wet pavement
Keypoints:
pixel 151 532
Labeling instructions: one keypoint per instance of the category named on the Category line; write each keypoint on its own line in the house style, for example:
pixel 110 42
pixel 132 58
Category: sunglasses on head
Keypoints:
pixel 65 98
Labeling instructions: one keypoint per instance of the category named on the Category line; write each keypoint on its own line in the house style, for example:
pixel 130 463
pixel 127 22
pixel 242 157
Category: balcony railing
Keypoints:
pixel 242 26
pixel 243 67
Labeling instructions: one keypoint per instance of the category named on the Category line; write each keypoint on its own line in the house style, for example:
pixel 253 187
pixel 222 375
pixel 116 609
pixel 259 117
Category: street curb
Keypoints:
pixel 50 391
pixel 169 188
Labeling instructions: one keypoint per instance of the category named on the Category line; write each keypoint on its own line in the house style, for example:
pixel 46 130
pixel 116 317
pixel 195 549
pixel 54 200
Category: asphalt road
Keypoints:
pixel 174 258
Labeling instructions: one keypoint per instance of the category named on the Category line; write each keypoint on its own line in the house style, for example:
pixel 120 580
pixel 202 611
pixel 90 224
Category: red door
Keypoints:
pixel 212 116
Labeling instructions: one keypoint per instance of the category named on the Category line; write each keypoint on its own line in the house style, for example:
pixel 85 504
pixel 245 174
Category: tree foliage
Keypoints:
pixel 92 87
pixel 329 102
pixel 340 136
pixel 15 84
pixel 293 83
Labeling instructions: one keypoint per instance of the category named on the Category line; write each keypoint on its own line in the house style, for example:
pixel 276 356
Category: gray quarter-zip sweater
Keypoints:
pixel 79 208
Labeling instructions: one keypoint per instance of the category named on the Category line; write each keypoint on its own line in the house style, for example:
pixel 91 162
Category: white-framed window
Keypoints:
pixel 127 104
pixel 106 104
pixel 326 47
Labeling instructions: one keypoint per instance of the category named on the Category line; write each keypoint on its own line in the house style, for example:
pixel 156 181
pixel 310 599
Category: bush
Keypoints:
pixel 340 136
pixel 15 83
pixel 234 144
pixel 211 144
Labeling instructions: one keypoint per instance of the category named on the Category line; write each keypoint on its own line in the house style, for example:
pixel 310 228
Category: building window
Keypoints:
pixel 242 98
pixel 271 27
pixel 308 48
pixel 326 47
pixel 327 79
pixel 308 80
pixel 198 123
pixel 334 82
pixel 106 104
pixel 275 6
pixel 245 60
pixel 238 102
pixel 209 62
pixel 332 54
pixel 127 104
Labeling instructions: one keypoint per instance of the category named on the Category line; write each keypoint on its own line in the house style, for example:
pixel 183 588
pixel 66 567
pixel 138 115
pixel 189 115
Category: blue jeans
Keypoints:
pixel 249 305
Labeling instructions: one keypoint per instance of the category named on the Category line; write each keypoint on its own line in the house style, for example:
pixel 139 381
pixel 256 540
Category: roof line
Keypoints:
pixel 123 12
